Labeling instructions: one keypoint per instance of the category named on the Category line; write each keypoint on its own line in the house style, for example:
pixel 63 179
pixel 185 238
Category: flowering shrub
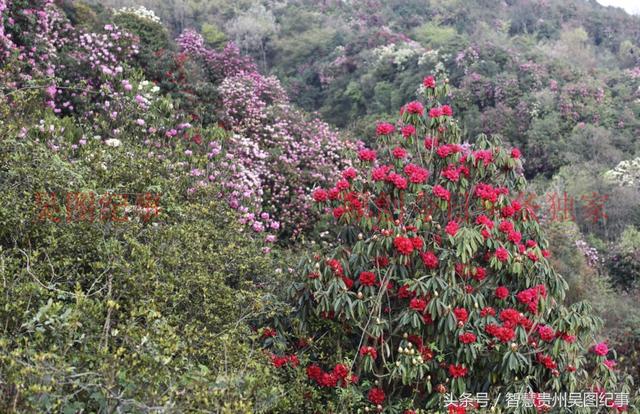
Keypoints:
pixel 140 12
pixel 146 26
pixel 590 253
pixel 439 281
pixel 219 64
pixel 28 30
pixel 94 66
pixel 276 155
pixel 626 173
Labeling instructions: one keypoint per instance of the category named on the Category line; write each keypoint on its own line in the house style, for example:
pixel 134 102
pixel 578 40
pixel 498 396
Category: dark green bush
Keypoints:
pixel 135 316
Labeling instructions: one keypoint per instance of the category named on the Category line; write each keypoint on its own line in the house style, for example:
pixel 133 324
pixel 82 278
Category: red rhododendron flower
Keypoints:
pixel 417 175
pixel 480 274
pixel 506 226
pixel 335 266
pixel 502 254
pixel 380 173
pixel 417 243
pixel 457 409
pixel 415 108
pixel 547 361
pixel 329 380
pixel 349 174
pixel 367 278
pixel 342 185
pixel 338 212
pixel 546 333
pixel 503 333
pixel 457 371
pixel 334 193
pixel 461 314
pixel 404 292
pixel 451 228
pixel 441 192
pixel 429 259
pixel 293 360
pixel 435 112
pixel 314 372
pixel 451 173
pixel 445 150
pixel 399 153
pixel 514 237
pixel 429 82
pixel 487 311
pixel 320 195
pixel 416 340
pixel 403 245
pixel 486 192
pixel 408 131
pixel 507 211
pixel 485 221
pixel 430 142
pixel 376 396
pixel 515 153
pixel 446 110
pixel 347 281
pixel 531 296
pixel 467 338
pixel 601 349
pixel 511 317
pixel 486 156
pixel 382 261
pixel 502 292
pixel 269 333
pixel 567 337
pixel 418 304
pixel 384 128
pixel 369 351
pixel 398 181
pixel 367 155
pixel 341 371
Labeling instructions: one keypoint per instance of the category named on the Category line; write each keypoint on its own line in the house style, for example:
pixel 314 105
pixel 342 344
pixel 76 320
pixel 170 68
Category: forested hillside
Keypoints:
pixel 318 207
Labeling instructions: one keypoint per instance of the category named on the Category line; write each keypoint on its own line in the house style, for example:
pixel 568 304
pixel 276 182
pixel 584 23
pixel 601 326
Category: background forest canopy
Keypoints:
pixel 548 75
pixel 252 119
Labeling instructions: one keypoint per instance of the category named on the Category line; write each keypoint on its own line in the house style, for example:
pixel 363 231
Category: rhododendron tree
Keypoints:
pixel 438 281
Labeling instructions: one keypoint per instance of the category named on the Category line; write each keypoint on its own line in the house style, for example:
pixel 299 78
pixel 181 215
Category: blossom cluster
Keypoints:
pixel 139 11
pixel 590 253
pixel 219 64
pixel 275 154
